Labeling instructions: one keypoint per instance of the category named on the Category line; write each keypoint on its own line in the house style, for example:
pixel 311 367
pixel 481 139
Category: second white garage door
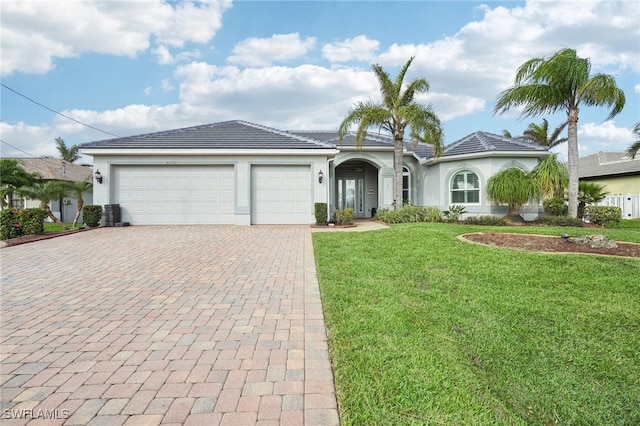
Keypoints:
pixel 175 195
pixel 281 195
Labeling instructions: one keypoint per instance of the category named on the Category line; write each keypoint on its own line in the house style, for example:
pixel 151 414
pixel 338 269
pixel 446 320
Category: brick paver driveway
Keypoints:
pixel 197 325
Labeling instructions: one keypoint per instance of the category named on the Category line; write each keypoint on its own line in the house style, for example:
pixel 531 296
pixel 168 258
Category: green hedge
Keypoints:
pixel 91 215
pixel 603 215
pixel 343 217
pixel 486 220
pixel 16 223
pixel 555 220
pixel 32 221
pixel 556 207
pixel 321 213
pixel 410 213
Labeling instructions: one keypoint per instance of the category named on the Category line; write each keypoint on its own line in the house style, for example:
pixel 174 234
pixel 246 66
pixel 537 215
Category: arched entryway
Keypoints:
pixel 356 187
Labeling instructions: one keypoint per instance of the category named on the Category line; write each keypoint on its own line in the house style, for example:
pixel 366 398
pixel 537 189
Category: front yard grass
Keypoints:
pixel 427 329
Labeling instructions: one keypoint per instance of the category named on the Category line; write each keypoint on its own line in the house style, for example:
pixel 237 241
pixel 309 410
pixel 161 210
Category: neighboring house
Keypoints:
pixel 56 169
pixel 242 173
pixel 620 176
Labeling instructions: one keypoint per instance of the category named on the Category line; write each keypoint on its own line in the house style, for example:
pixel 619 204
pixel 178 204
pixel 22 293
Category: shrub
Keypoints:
pixel 431 214
pixel 410 214
pixel 604 215
pixel 453 214
pixel 32 221
pixel 487 220
pixel 344 216
pixel 91 215
pixel 555 207
pixel 10 224
pixel 321 213
pixel 553 220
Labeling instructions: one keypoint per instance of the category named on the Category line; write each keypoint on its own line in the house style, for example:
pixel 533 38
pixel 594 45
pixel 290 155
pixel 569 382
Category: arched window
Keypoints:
pixel 406 186
pixel 465 188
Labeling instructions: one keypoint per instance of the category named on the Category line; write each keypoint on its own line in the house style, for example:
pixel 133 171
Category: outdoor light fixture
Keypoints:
pixel 320 176
pixel 98 176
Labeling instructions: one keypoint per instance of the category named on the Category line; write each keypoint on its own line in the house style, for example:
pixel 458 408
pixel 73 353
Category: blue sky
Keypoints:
pixel 132 67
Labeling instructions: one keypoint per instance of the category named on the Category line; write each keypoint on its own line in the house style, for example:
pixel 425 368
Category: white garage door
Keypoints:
pixel 281 195
pixel 174 195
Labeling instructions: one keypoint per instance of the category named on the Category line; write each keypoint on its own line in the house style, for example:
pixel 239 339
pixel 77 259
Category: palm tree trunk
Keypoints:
pixel 572 161
pixel 79 205
pixel 47 209
pixel 398 154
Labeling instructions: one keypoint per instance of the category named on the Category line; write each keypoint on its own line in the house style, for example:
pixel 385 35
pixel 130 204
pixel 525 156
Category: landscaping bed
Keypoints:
pixel 548 243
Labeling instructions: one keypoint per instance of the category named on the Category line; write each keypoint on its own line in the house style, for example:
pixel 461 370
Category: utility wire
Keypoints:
pixel 56 112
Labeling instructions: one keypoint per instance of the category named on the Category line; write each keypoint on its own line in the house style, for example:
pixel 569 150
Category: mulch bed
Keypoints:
pixel 551 244
pixel 46 236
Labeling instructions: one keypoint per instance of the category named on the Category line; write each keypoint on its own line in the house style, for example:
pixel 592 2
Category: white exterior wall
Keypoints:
pixel 106 164
pixel 435 181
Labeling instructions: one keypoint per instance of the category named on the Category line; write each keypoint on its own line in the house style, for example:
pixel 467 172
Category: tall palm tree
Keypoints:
pixel 561 82
pixel 539 133
pixel 633 149
pixel 552 176
pixel 78 188
pixel 44 192
pixel 397 111
pixel 13 177
pixel 70 154
pixel 515 188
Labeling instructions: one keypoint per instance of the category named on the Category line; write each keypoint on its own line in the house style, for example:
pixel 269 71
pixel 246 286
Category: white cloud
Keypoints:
pixel 260 52
pixel 34 33
pixel 359 48
pixel 163 55
pixel 636 88
pixel 605 136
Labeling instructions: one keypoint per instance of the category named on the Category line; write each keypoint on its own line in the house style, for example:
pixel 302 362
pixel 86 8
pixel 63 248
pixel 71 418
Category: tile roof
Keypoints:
pixel 235 134
pixel 608 163
pixel 55 169
pixel 487 142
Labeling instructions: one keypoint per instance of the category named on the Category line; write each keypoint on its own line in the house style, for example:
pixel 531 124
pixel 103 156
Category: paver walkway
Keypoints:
pixel 199 325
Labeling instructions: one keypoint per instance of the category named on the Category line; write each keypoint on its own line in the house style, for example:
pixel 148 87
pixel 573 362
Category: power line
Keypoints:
pixel 56 112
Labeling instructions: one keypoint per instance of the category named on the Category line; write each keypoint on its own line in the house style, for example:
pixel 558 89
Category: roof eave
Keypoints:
pixel 198 151
pixel 484 154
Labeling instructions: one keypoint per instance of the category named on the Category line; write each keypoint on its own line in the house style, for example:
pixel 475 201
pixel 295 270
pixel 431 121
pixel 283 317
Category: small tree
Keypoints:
pixel 635 147
pixel 589 193
pixel 78 188
pixel 13 177
pixel 515 188
pixel 539 133
pixel 45 192
pixel 552 176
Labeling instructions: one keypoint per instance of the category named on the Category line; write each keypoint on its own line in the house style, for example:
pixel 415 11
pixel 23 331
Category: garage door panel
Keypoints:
pixel 281 194
pixel 157 195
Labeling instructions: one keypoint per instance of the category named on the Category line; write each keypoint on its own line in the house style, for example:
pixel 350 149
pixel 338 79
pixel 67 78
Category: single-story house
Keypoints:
pixel 236 172
pixel 619 174
pixel 47 169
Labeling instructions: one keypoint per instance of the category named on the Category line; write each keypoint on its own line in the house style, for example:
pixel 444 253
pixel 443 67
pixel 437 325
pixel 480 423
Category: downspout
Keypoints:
pixel 328 189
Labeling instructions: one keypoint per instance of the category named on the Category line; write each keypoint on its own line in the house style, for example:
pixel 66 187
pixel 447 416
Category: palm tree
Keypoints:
pixel 397 111
pixel 515 188
pixel 552 176
pixel 633 149
pixel 539 133
pixel 78 188
pixel 13 177
pixel 44 192
pixel 70 154
pixel 589 192
pixel 562 82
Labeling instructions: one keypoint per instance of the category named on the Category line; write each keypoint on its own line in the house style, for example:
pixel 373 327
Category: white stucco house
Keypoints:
pixel 236 172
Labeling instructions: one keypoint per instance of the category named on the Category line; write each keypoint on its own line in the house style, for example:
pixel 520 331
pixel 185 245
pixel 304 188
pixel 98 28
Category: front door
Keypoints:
pixel 350 193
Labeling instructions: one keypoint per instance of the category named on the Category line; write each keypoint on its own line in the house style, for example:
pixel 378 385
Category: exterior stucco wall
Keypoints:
pixel 619 185
pixel 435 182
pixel 104 193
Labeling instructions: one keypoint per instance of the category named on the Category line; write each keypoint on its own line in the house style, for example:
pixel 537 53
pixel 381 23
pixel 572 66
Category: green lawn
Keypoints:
pixel 427 329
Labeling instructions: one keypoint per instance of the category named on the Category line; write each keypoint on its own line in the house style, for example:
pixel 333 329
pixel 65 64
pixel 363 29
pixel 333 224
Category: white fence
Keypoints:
pixel 630 204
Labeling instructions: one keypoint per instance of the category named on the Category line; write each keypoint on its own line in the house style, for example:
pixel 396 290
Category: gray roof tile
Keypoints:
pixel 225 135
pixel 487 142
pixel 608 163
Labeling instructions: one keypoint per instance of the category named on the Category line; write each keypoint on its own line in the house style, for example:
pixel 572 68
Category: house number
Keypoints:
pixel 172 163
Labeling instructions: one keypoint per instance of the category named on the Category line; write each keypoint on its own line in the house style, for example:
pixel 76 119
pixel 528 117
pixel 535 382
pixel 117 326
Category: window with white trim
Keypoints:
pixel 465 188
pixel 406 188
